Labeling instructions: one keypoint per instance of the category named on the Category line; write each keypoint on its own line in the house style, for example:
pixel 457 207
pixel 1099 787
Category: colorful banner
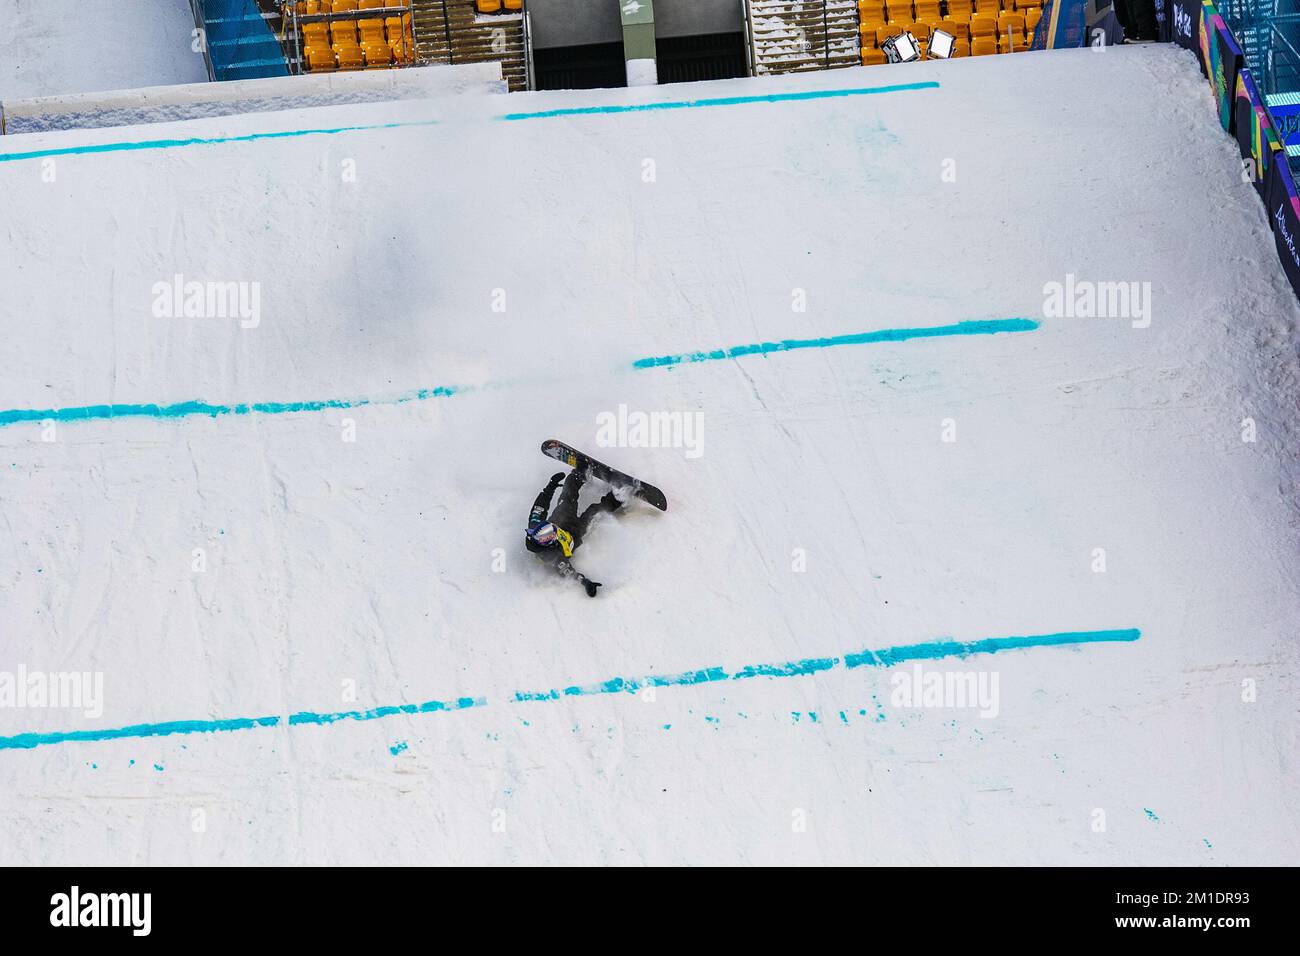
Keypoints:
pixel 1061 26
pixel 1186 26
pixel 1256 137
pixel 1284 216
pixel 1222 58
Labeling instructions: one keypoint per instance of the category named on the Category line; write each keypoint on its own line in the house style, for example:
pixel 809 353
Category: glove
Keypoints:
pixel 591 587
pixel 557 478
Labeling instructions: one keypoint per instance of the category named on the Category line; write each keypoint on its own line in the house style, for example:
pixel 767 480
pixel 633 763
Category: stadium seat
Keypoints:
pixel 867 29
pixel 961 47
pixel 344 31
pixel 1014 24
pixel 988 7
pixel 350 57
pixel 883 33
pixel 344 6
pixel 960 29
pixel 920 29
pixel 378 54
pixel 871 11
pixel 372 31
pixel 1032 16
pixel 370 4
pixel 927 10
pixel 488 6
pixel 513 5
pixel 871 56
pixel 316 33
pixel 983 46
pixel 320 59
pixel 983 26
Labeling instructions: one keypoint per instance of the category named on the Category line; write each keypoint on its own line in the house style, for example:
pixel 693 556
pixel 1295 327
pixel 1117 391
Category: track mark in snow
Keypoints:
pixel 885 657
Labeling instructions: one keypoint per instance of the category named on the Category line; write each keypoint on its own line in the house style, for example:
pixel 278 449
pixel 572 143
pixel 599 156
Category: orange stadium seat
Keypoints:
pixel 961 47
pixel 1032 16
pixel 883 33
pixel 488 6
pixel 920 30
pixel 960 29
pixel 871 11
pixel 988 7
pixel 370 4
pixel 513 4
pixel 344 31
pixel 350 57
pixel 378 54
pixel 983 26
pixel 927 10
pixel 320 59
pixel 1014 24
pixel 871 56
pixel 344 6
pixel 983 46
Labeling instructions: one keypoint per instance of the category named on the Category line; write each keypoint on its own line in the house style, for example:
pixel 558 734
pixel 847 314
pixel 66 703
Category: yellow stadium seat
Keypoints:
pixel 988 7
pixel 960 29
pixel 983 26
pixel 371 30
pixel 927 10
pixel 378 54
pixel 344 6
pixel 370 4
pixel 319 32
pixel 983 46
pixel 513 4
pixel 884 33
pixel 320 59
pixel 871 10
pixel 488 6
pixel 868 30
pixel 344 31
pixel 1015 21
pixel 350 57
pixel 1032 16
pixel 920 29
pixel 961 47
pixel 871 56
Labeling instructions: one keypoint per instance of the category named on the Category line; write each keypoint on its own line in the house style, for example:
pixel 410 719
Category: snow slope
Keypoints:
pixel 51 47
pixel 384 256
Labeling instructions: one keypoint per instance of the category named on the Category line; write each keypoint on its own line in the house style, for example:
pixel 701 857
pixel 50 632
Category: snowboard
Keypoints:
pixel 598 469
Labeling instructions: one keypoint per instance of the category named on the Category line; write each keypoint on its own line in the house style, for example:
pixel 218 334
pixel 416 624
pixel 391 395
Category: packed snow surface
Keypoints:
pixel 427 301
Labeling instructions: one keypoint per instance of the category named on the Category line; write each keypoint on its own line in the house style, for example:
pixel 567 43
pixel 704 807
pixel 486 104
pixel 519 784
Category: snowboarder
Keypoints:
pixel 557 535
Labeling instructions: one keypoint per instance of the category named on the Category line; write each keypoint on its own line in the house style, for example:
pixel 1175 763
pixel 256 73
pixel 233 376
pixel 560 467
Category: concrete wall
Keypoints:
pixel 577 22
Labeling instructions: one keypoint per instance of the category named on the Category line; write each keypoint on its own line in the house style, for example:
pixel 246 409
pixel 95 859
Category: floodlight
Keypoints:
pixel 941 45
pixel 902 48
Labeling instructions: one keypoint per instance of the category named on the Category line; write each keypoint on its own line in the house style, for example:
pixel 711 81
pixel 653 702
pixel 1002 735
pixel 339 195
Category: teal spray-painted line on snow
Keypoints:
pixel 885 657
pixel 970 327
pixel 143 144
pixel 184 142
pixel 183 409
pixel 716 101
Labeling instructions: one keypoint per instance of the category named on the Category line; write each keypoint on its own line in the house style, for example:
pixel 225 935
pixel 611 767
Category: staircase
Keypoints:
pixel 795 36
pixel 241 44
pixel 451 31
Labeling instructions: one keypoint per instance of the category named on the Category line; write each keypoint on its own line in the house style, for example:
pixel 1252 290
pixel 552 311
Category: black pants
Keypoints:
pixel 566 509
